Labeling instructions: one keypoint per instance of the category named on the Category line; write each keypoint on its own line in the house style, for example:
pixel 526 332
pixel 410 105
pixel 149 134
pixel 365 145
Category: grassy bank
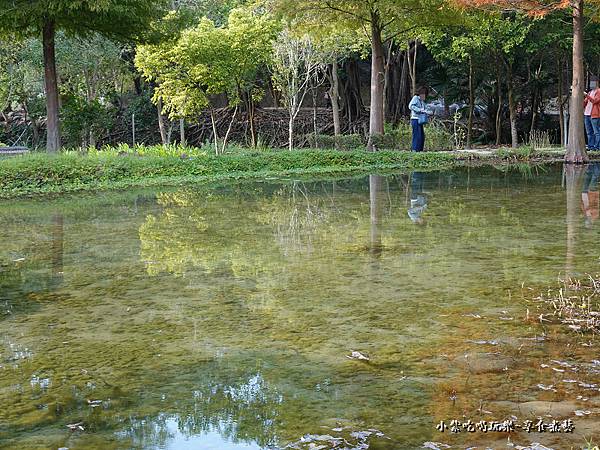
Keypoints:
pixel 117 168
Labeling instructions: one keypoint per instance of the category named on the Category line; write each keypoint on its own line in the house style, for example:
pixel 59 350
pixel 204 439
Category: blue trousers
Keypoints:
pixel 589 131
pixel 596 128
pixel 418 136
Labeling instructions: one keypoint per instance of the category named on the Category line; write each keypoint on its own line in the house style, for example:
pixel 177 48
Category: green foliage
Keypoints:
pixel 523 153
pixel 121 20
pixel 396 19
pixel 122 167
pixel 342 142
pixel 82 118
pixel 207 60
pixel 437 137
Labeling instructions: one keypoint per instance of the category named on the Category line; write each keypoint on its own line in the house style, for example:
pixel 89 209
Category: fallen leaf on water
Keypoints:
pixel 435 445
pixel 543 387
pixel 359 356
pixel 75 426
pixel 475 316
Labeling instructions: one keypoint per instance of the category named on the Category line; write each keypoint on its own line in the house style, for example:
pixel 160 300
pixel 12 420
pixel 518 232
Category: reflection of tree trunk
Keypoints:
pixel 573 178
pixel 57 247
pixel 375 183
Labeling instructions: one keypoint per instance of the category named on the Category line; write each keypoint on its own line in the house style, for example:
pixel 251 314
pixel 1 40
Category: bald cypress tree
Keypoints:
pixel 124 20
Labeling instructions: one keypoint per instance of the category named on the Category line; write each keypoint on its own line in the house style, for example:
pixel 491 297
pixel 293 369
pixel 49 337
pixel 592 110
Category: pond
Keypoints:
pixel 226 317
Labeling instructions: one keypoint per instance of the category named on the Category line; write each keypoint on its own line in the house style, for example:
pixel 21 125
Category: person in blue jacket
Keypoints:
pixel 418 109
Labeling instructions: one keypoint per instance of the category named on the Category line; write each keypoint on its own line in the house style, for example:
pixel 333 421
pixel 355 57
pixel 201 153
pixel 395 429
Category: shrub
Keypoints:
pixel 343 142
pixel 124 166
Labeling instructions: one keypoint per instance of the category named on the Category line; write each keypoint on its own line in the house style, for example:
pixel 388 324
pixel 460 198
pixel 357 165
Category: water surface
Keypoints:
pixel 221 317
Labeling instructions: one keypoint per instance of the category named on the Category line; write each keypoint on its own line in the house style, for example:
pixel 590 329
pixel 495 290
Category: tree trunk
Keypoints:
pixel 561 109
pixel 471 104
pixel 314 93
pixel 291 133
pixel 182 132
pixel 334 94
pixel 376 116
pixel 499 111
pixel 51 85
pixel 161 123
pixel 251 110
pixel 512 108
pixel 215 133
pixel 413 74
pixel 576 149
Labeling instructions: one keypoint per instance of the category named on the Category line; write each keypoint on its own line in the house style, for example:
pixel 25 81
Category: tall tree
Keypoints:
pixel 382 21
pixel 576 147
pixel 119 19
pixel 484 39
pixel 207 60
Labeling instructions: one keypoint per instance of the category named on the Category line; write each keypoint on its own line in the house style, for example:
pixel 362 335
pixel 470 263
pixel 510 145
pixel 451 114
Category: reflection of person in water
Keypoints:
pixel 589 196
pixel 418 199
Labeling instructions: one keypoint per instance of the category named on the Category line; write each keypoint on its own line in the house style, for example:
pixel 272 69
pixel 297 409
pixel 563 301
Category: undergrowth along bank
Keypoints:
pixel 123 167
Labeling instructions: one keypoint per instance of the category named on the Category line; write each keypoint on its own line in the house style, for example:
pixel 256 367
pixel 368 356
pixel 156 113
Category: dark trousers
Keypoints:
pixel 418 136
pixel 590 133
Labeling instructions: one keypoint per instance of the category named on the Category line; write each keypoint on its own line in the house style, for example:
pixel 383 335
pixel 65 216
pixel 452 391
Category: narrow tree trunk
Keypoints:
pixel 215 133
pixel 576 149
pixel 512 108
pixel 161 123
pixel 51 85
pixel 226 139
pixel 182 132
pixel 533 113
pixel 334 94
pixel 499 111
pixel 376 117
pixel 250 109
pixel 291 133
pixel 404 85
pixel 561 108
pixel 313 93
pixel 414 68
pixel 471 104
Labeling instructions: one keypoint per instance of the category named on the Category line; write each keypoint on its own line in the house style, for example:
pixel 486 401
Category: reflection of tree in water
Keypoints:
pixel 296 216
pixel 29 270
pixel 244 410
pixel 573 177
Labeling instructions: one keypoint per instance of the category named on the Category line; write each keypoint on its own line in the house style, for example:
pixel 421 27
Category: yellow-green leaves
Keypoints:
pixel 208 60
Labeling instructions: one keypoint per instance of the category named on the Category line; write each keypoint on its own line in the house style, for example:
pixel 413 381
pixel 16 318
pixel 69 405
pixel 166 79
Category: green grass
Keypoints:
pixel 123 167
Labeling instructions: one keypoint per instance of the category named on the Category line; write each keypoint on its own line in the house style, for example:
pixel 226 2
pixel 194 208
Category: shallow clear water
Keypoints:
pixel 222 317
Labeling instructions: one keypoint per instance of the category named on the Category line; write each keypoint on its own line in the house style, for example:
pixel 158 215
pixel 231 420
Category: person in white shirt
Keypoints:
pixel 418 109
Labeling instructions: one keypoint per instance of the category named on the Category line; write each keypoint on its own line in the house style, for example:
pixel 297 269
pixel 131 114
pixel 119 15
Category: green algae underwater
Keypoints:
pixel 223 317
